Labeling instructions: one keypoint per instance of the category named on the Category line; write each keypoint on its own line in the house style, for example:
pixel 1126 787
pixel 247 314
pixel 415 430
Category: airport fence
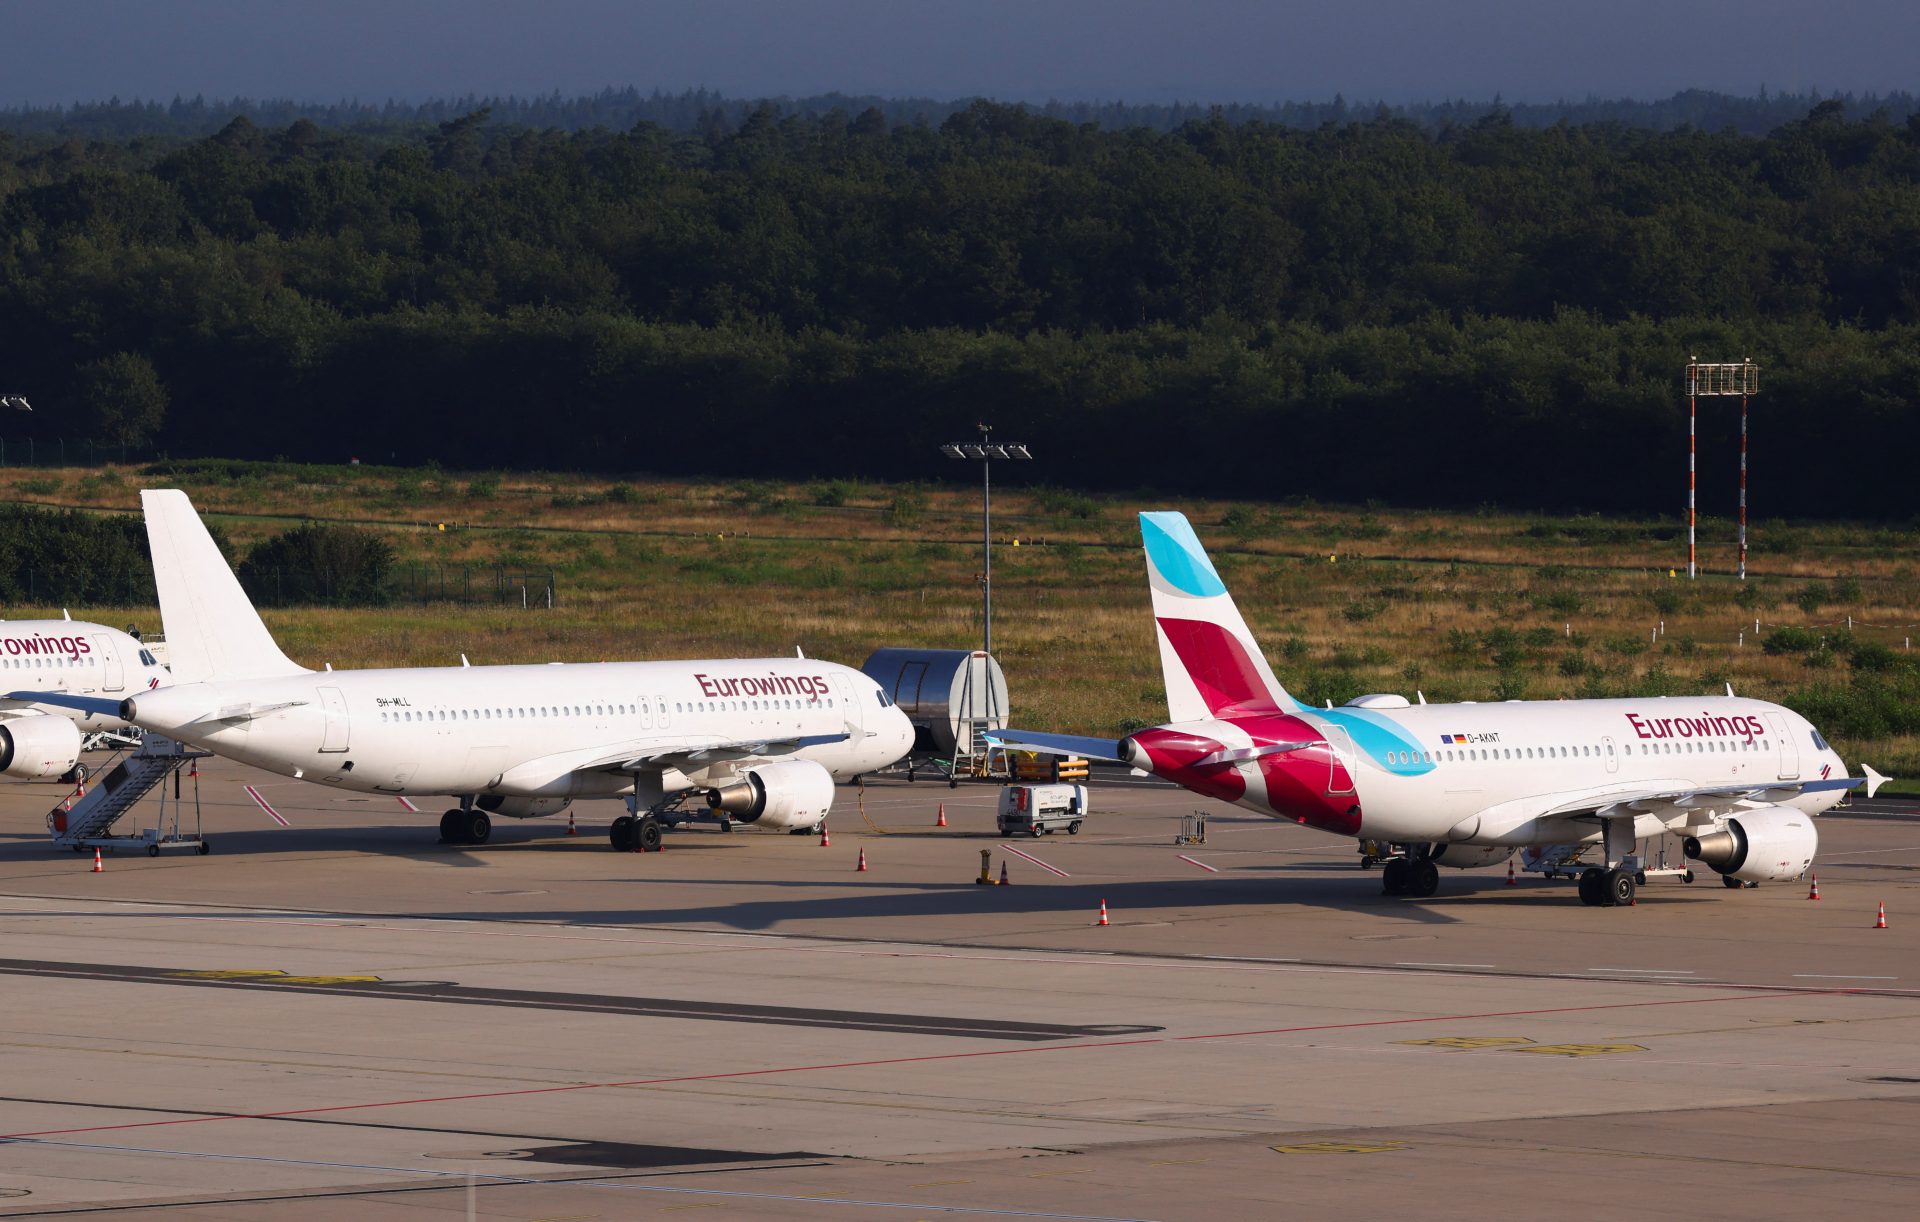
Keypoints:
pixel 404 584
pixel 69 452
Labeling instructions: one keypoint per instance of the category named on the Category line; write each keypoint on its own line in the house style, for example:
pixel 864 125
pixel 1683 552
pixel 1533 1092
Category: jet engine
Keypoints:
pixel 39 747
pixel 789 794
pixel 521 808
pixel 1771 844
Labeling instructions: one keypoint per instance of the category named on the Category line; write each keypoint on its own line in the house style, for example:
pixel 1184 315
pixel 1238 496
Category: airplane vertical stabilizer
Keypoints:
pixel 212 630
pixel 1210 661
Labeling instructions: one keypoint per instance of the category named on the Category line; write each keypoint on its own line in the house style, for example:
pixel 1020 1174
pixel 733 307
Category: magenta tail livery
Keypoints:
pixel 1469 784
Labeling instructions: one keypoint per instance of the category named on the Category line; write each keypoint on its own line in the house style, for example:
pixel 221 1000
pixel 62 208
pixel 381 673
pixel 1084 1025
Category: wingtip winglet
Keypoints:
pixel 1874 779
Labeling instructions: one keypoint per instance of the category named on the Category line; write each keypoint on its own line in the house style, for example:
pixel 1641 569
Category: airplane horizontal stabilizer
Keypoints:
pixel 1874 779
pixel 1057 744
pixel 86 704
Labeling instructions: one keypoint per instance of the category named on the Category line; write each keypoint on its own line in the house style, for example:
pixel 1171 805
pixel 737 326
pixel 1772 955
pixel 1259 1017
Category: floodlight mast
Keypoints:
pixel 1724 380
pixel 986 451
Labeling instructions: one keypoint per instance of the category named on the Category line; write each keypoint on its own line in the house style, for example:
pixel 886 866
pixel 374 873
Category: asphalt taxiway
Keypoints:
pixel 344 1015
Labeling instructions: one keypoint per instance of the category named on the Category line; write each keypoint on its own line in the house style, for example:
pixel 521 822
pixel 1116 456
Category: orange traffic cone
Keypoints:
pixel 1813 893
pixel 1004 880
pixel 1879 923
pixel 825 841
pixel 862 867
pixel 1103 914
pixel 1511 880
pixel 100 869
pixel 570 827
pixel 942 820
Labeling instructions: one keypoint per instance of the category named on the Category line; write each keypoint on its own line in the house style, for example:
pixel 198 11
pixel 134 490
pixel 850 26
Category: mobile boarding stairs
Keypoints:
pixel 85 819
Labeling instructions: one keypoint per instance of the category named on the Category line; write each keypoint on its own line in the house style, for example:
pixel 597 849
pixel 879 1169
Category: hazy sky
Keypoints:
pixel 1196 50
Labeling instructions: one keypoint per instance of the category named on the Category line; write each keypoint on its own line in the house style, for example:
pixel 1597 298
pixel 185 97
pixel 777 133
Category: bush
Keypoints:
pixel 1790 640
pixel 830 493
pixel 1812 597
pixel 68 556
pixel 320 563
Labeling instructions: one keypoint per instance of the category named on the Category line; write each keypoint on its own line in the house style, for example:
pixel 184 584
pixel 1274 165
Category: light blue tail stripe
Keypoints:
pixel 1177 555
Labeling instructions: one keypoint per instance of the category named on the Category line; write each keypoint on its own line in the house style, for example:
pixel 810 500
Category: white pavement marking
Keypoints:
pixel 1036 861
pixel 1190 861
pixel 1825 976
pixel 1418 963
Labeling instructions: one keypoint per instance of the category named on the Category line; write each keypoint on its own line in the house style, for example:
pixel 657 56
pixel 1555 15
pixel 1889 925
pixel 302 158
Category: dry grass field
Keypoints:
pixel 1471 606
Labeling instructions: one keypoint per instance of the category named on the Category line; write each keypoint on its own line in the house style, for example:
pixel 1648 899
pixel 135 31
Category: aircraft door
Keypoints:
pixel 851 709
pixel 333 706
pixel 1789 750
pixel 1613 756
pixel 1340 760
pixel 114 672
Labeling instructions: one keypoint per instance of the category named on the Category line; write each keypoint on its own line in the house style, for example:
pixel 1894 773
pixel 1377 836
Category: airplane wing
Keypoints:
pixel 64 700
pixel 1057 744
pixel 1657 801
pixel 660 753
pixel 1663 803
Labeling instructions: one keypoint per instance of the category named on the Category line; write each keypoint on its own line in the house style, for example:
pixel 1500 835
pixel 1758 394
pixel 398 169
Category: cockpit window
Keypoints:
pixel 1820 742
pixel 881 694
pixel 147 659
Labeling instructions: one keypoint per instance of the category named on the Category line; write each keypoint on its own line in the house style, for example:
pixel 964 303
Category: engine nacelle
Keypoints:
pixel 789 794
pixel 511 807
pixel 1771 844
pixel 39 747
pixel 1471 856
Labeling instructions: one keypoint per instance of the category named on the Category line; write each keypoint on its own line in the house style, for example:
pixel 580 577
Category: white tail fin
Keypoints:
pixel 213 632
pixel 1208 657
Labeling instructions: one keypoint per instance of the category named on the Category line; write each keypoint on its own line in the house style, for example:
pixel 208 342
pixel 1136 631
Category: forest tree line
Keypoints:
pixel 1371 309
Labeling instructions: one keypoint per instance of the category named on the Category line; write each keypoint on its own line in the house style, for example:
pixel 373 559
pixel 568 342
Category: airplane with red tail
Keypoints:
pixel 1469 784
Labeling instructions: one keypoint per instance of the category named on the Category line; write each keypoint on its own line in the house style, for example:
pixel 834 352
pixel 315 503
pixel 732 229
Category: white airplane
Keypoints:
pixel 40 740
pixel 764 738
pixel 1469 784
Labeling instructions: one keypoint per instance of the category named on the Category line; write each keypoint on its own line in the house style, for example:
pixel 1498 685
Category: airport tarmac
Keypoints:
pixel 342 1015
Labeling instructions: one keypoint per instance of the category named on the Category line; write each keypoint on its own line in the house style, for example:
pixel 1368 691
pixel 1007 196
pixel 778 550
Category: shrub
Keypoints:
pixel 320 563
pixel 1789 639
pixel 1812 597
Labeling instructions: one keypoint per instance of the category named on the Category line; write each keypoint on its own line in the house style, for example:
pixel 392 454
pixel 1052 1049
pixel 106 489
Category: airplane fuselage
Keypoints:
pixel 529 730
pixel 77 658
pixel 1447 772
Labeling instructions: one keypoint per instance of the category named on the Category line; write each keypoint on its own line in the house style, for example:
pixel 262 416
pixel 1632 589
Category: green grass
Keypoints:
pixel 1460 606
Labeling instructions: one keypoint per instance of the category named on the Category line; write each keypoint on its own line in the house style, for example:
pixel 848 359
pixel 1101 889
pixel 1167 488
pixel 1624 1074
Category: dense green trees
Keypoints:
pixel 1482 312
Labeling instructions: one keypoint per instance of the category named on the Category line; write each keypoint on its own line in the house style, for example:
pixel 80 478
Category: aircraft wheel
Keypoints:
pixel 450 828
pixel 646 835
pixel 1393 879
pixel 77 774
pixel 1591 883
pixel 1619 893
pixel 1423 878
pixel 621 834
pixel 478 827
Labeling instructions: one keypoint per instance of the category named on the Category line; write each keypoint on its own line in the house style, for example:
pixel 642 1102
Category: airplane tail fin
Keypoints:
pixel 1210 661
pixel 212 630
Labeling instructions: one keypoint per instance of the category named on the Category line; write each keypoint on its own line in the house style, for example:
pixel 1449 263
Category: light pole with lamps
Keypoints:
pixel 986 451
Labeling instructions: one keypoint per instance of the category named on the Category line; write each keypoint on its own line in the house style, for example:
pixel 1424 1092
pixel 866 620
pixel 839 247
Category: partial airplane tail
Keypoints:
pixel 212 630
pixel 1210 661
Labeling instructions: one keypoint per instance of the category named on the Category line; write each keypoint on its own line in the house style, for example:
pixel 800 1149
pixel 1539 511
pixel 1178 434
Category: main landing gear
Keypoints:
pixel 635 834
pixel 465 825
pixel 1607 888
pixel 1415 876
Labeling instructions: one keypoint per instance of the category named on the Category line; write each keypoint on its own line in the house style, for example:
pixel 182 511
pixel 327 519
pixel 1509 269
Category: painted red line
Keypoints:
pixel 1036 861
pixel 410 806
pixel 1190 861
pixel 913 1060
pixel 264 805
